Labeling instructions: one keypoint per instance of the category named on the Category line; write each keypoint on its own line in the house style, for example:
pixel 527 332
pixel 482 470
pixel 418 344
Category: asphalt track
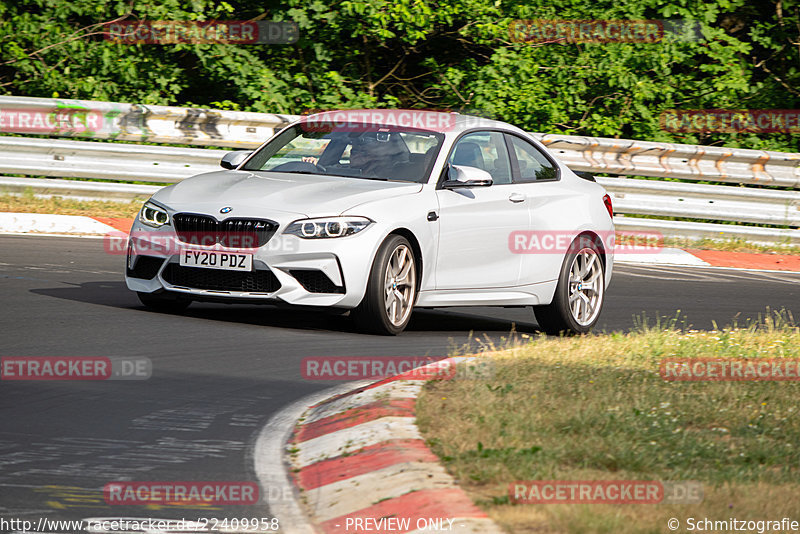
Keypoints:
pixel 220 372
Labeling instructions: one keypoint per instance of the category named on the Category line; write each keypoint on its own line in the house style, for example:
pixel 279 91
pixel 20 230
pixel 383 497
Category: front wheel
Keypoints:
pixel 579 295
pixel 163 303
pixel 391 289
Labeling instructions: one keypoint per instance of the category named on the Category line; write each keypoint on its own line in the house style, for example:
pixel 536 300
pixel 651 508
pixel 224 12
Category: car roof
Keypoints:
pixel 435 121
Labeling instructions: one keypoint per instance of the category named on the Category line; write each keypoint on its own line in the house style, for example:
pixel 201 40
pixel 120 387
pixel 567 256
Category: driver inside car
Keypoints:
pixel 375 155
pixel 378 157
pixel 365 156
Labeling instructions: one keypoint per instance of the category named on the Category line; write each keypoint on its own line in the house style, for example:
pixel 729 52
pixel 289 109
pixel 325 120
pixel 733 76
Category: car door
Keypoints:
pixel 536 176
pixel 475 222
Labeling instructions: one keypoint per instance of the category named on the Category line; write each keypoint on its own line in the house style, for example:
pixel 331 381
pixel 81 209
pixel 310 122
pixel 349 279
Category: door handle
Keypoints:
pixel 516 197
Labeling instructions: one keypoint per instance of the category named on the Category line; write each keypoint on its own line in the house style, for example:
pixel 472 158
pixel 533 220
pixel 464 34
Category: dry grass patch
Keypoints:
pixel 596 408
pixel 742 501
pixel 732 245
pixel 28 203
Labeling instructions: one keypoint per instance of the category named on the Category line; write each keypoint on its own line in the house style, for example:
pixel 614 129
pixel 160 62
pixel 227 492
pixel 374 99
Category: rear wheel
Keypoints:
pixel 579 295
pixel 391 289
pixel 163 302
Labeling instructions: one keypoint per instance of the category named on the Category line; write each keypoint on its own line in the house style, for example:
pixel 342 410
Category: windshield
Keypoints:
pixel 355 150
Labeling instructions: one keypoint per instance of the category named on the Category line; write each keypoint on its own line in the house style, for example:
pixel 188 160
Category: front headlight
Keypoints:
pixel 327 227
pixel 153 215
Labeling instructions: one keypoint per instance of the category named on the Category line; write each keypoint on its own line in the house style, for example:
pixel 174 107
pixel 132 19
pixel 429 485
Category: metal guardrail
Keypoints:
pixel 128 162
pixel 141 123
pixel 237 129
pixel 113 161
pixel 108 161
pixel 700 201
pixel 670 160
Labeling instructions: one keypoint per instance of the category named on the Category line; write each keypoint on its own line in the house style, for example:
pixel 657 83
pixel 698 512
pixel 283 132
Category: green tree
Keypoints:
pixel 448 54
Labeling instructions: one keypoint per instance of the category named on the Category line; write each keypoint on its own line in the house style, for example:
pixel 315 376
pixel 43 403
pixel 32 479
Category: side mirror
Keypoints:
pixel 231 160
pixel 459 176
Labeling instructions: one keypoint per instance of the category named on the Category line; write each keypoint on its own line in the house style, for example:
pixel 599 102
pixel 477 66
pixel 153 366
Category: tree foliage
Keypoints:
pixel 447 54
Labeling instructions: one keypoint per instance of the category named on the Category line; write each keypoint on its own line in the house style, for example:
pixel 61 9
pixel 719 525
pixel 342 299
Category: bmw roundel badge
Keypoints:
pixel 226 209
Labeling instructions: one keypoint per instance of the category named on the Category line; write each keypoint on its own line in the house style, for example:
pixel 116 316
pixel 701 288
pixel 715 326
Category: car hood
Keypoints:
pixel 259 193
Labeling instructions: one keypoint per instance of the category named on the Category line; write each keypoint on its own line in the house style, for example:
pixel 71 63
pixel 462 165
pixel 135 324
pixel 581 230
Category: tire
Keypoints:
pixel 163 302
pixel 391 289
pixel 579 294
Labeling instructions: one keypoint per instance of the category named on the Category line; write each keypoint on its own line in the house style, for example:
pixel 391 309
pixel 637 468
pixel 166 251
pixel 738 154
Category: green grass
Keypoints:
pixel 596 408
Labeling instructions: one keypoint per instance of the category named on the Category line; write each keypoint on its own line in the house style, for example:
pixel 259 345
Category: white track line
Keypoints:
pixel 42 222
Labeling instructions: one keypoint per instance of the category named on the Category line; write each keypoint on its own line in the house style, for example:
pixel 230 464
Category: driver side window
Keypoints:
pixel 486 151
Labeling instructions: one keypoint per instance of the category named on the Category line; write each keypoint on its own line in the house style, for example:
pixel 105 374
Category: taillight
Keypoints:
pixel 609 207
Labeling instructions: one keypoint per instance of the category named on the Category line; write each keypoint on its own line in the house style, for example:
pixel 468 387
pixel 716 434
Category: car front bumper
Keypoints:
pixel 319 272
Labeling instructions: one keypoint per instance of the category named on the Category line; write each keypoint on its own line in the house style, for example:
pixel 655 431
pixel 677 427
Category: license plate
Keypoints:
pixel 212 259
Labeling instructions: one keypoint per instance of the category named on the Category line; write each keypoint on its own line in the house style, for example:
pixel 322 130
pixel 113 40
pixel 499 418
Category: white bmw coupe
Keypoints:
pixel 378 212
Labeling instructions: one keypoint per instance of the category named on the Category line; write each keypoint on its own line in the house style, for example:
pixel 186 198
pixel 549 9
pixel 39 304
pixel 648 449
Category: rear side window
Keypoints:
pixel 533 166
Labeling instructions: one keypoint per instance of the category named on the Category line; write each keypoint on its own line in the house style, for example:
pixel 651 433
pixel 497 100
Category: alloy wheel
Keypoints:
pixel 400 285
pixel 586 286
